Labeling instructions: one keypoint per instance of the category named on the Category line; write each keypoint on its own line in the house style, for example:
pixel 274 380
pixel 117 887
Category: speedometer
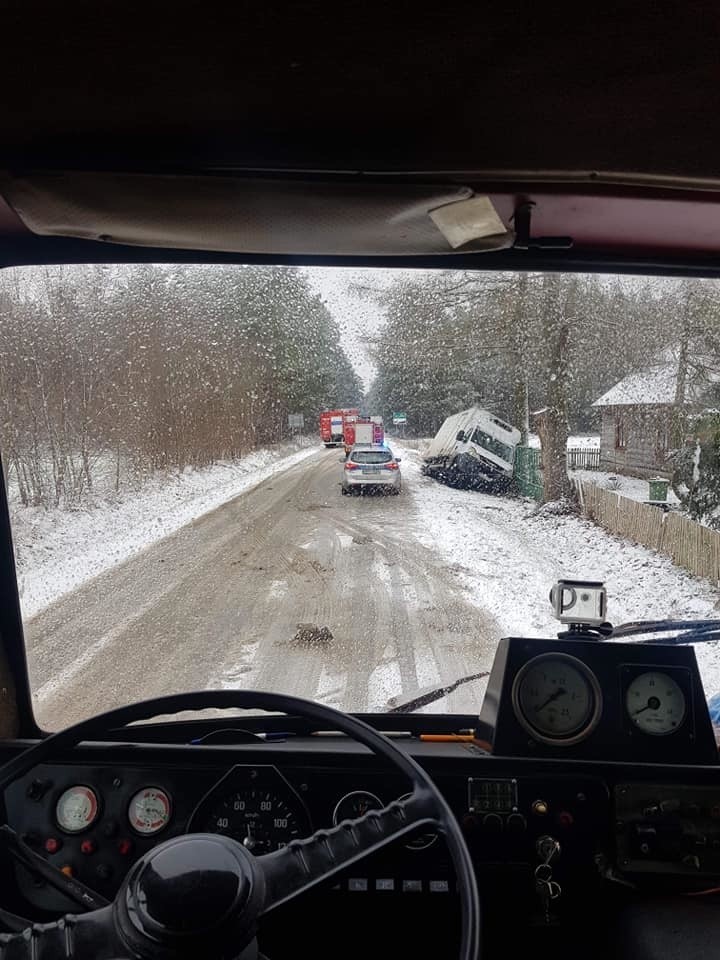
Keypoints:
pixel 258 818
pixel 557 699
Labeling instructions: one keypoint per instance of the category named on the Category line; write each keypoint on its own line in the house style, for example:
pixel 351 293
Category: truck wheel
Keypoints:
pixel 344 491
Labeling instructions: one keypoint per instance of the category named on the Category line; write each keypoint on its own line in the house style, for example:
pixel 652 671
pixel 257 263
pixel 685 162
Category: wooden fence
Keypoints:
pixel 583 458
pixel 688 544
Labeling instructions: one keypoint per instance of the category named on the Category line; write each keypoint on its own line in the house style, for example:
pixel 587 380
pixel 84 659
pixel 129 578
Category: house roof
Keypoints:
pixel 656 383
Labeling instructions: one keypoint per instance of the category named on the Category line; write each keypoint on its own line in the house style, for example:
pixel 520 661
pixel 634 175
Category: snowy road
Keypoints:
pixel 416 590
pixel 217 604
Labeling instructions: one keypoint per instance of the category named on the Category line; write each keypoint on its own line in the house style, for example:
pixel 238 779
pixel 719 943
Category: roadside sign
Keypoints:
pixel 296 421
pixel 399 418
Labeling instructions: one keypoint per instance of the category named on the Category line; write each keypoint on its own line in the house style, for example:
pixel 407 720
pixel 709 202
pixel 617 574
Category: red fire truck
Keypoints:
pixel 332 425
pixel 362 430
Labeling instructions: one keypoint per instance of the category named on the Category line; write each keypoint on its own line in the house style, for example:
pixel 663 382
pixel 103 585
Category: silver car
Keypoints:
pixel 371 467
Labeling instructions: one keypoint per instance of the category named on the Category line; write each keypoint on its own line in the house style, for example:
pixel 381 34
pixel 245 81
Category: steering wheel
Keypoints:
pixel 203 894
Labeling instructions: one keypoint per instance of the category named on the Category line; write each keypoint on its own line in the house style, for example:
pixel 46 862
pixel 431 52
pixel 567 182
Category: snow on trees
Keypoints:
pixel 152 367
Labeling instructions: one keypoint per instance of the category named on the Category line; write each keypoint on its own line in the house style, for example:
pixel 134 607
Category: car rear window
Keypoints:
pixel 371 456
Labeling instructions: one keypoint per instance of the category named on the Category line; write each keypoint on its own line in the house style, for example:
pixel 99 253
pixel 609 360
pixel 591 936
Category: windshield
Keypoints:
pixel 489 443
pixel 184 516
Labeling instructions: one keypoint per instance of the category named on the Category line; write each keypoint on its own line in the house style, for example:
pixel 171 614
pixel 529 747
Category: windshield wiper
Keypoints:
pixel 431 695
pixel 686 631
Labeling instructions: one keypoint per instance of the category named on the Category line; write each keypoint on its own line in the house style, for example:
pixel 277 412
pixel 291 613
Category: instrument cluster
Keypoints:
pixel 587 699
pixel 78 808
pixel 557 698
pixel 92 823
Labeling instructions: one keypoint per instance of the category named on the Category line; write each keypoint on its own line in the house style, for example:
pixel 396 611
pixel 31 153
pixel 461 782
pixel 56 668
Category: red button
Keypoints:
pixel 52 845
pixel 565 819
pixel 88 846
pixel 124 847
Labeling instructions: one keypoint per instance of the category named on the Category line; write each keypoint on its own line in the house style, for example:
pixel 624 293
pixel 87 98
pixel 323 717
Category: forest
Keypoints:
pixel 128 370
pixel 115 372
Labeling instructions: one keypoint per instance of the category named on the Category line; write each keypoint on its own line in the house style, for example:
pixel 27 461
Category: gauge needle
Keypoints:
pixel 553 696
pixel 652 704
pixel 249 840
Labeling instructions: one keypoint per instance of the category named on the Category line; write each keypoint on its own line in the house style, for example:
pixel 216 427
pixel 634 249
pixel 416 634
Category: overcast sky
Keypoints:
pixel 359 317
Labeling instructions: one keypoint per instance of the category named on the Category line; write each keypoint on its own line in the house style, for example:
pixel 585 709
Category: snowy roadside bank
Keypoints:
pixel 57 550
pixel 508 559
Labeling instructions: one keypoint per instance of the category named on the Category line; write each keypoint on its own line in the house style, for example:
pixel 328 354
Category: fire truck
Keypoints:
pixel 332 425
pixel 358 429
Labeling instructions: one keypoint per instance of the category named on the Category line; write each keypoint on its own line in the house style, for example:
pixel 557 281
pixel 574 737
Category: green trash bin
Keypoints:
pixel 658 489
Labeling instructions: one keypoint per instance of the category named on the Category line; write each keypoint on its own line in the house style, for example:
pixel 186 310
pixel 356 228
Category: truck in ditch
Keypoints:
pixel 473 448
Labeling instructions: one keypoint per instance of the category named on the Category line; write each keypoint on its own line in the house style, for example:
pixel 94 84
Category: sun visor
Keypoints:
pixel 263 216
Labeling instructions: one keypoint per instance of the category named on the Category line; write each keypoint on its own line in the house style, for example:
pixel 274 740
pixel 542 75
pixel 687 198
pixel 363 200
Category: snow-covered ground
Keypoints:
pixel 57 550
pixel 508 556
pixel 635 488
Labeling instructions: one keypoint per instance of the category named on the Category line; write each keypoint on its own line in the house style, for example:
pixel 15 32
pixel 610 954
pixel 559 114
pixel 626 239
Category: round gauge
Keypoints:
pixel 655 703
pixel 258 818
pixel 557 699
pixel 77 809
pixel 354 805
pixel 149 810
pixel 423 840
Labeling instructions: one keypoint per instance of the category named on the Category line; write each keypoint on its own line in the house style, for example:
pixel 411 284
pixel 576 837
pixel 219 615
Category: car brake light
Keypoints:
pixel 391 466
pixel 351 466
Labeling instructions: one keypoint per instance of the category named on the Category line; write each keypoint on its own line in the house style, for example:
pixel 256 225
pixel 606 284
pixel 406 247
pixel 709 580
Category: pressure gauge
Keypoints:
pixel 149 810
pixel 655 703
pixel 77 809
pixel 557 699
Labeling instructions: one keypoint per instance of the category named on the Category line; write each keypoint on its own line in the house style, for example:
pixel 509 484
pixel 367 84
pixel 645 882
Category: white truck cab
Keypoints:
pixel 473 448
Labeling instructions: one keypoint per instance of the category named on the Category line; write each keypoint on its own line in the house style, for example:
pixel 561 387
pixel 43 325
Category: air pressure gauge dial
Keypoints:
pixel 557 699
pixel 655 703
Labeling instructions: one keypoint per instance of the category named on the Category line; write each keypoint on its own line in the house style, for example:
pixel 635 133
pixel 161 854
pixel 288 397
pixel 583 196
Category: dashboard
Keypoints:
pixel 580 743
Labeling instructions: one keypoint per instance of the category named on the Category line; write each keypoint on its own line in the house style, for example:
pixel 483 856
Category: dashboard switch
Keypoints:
pixel 493 823
pixel 37 789
pixel 52 844
pixel 412 886
pixel 540 808
pixel 516 823
pixel 124 847
pixel 565 818
pixel 691 861
pixel 646 838
pixel 88 846
pixel 104 871
pixel 67 870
